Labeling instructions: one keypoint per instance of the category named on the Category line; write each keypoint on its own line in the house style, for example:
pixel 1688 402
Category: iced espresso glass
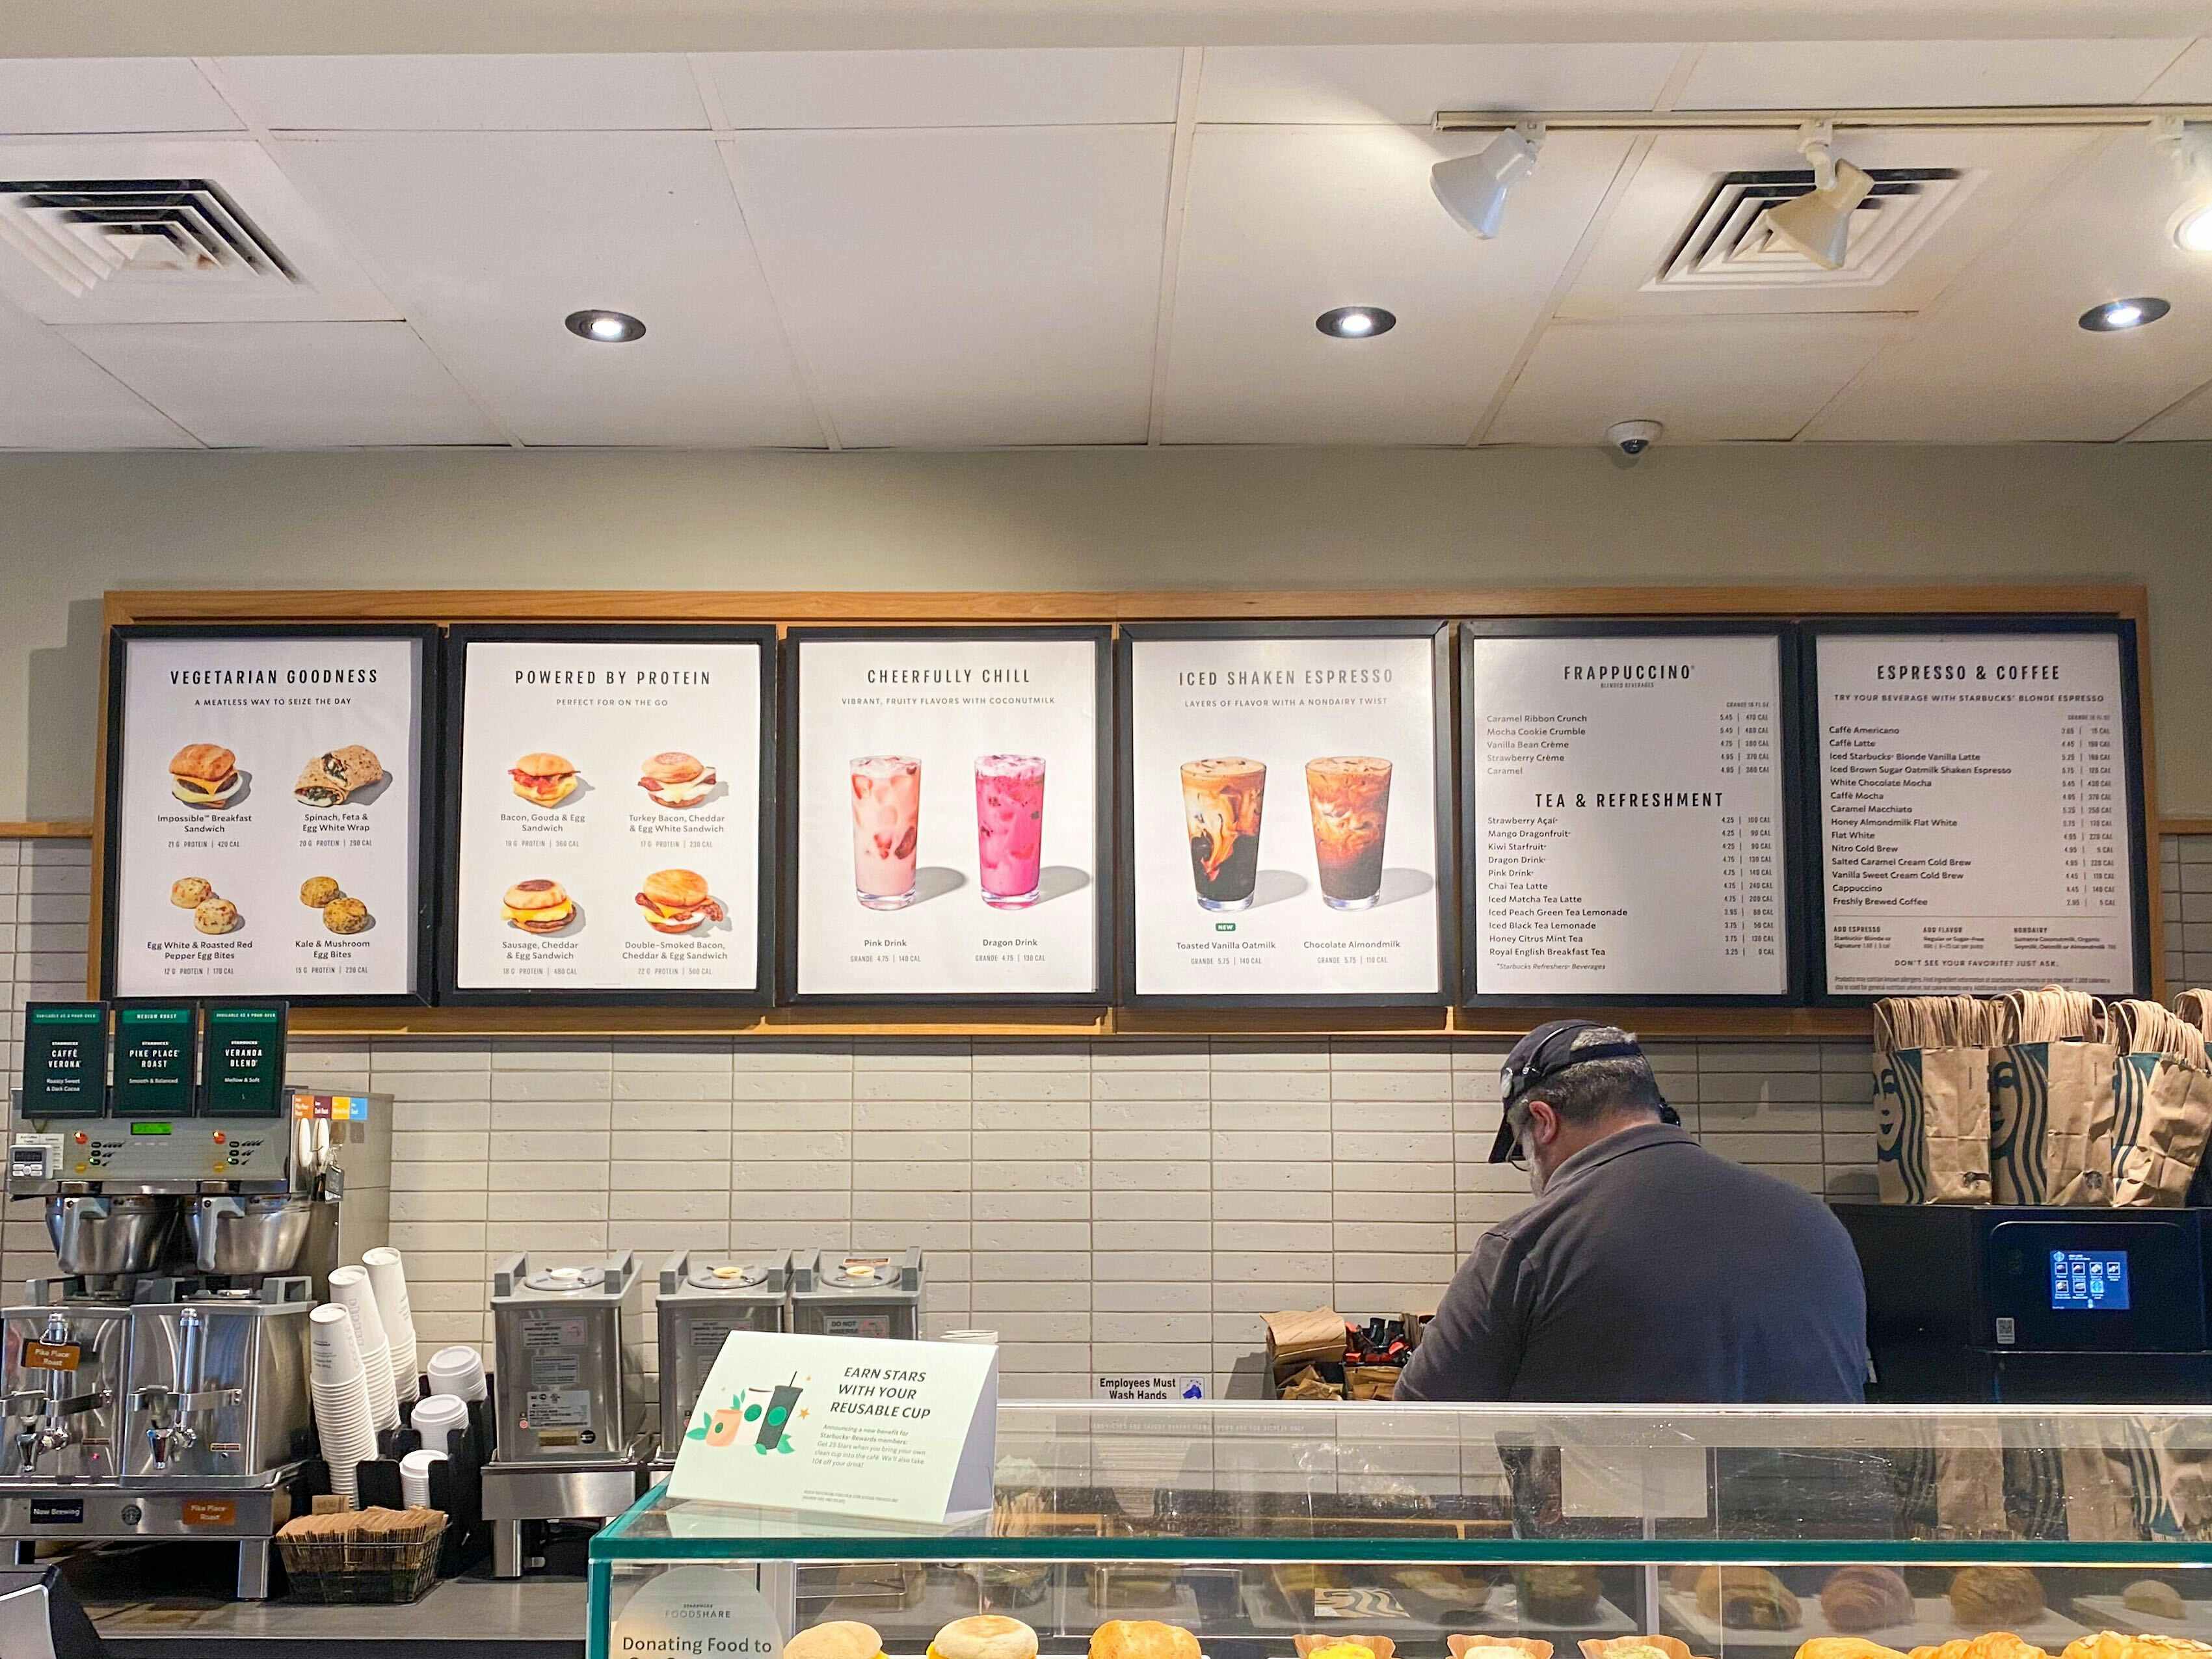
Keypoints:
pixel 886 814
pixel 1221 804
pixel 1009 828
pixel 1350 795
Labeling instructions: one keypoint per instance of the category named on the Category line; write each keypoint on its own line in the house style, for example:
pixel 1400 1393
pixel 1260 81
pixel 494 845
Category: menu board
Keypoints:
pixel 607 787
pixel 1626 813
pixel 1979 796
pixel 265 827
pixel 947 791
pixel 1285 797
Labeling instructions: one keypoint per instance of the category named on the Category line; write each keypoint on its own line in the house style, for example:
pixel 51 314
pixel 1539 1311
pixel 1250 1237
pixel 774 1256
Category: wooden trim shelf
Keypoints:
pixel 2184 826
pixel 48 830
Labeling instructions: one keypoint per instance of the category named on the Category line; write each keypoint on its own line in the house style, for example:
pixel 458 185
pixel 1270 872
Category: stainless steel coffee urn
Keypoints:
pixel 568 1445
pixel 703 1297
pixel 834 1294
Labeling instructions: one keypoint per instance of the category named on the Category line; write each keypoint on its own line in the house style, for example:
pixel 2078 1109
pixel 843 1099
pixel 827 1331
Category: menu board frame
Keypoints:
pixel 1442 689
pixel 2122 629
pixel 430 706
pixel 1103 877
pixel 1790 755
pixel 458 638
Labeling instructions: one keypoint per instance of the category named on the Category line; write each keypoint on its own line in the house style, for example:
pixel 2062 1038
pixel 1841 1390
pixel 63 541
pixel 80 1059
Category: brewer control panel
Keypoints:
pixel 119 1151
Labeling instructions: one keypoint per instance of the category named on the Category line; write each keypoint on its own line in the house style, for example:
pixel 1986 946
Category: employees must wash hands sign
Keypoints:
pixel 843 1425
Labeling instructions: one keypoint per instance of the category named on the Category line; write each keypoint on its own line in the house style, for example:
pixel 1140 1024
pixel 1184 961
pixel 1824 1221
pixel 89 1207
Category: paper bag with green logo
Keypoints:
pixel 2162 1106
pixel 2050 1099
pixel 1931 1096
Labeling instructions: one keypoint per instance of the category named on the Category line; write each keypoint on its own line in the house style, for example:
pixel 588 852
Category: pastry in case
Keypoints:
pixel 1857 1599
pixel 1635 1647
pixel 1142 1639
pixel 1845 1646
pixel 2155 1598
pixel 1498 1647
pixel 989 1636
pixel 1996 1596
pixel 1557 1595
pixel 840 1638
pixel 1747 1598
pixel 1344 1647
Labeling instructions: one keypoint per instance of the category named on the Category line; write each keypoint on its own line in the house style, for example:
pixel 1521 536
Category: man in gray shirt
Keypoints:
pixel 1648 1269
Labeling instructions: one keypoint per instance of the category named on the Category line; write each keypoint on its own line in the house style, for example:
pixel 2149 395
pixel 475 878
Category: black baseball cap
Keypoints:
pixel 1545 1052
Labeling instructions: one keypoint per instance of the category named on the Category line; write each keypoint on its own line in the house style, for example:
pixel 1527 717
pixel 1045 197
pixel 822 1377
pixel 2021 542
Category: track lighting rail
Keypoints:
pixel 2111 117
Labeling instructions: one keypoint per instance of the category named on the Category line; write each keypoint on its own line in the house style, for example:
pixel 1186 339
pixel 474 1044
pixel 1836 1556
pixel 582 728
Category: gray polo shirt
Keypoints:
pixel 1653 1270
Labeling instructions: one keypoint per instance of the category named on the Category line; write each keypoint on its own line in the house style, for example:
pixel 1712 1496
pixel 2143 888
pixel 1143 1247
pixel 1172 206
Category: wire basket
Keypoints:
pixel 389 1570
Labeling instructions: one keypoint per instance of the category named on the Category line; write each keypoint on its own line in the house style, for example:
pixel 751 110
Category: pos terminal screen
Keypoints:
pixel 2089 1280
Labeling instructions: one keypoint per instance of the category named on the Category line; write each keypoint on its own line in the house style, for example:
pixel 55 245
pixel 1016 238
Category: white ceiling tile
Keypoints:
pixel 578 93
pixel 967 286
pixel 1285 223
pixel 490 240
pixel 1062 87
pixel 109 95
pixel 53 396
pixel 1678 177
pixel 1915 74
pixel 330 285
pixel 1407 85
pixel 1710 378
pixel 2190 420
pixel 291 385
pixel 2001 359
pixel 2188 81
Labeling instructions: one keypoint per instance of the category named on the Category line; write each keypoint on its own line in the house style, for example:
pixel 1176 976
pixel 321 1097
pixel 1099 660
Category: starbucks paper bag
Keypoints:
pixel 2162 1107
pixel 1932 1096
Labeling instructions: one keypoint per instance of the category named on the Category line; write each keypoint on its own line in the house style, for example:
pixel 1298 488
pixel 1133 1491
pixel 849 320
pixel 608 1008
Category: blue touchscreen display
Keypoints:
pixel 2089 1280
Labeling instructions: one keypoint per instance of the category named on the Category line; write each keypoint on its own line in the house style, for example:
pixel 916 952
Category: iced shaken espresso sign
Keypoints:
pixel 947 803
pixel 1283 789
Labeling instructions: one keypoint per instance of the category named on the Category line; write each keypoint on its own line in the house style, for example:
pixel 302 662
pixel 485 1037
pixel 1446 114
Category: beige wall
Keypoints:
pixel 71 526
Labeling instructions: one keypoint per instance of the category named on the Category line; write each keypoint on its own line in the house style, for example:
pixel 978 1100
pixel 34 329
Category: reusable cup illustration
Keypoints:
pixel 1350 795
pixel 1009 828
pixel 886 815
pixel 1221 802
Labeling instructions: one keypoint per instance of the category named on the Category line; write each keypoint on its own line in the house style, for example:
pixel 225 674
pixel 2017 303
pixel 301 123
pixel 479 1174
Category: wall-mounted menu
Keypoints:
pixel 1979 798
pixel 1625 813
pixel 1285 802
pixel 265 812
pixel 948 791
pixel 607 787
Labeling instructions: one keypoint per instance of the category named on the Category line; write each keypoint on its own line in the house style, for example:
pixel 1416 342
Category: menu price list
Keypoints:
pixel 1627 815
pixel 1974 802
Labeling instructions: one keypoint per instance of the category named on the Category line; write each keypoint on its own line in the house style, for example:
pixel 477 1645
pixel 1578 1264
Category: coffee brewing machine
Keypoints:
pixel 157 1386
pixel 569 1444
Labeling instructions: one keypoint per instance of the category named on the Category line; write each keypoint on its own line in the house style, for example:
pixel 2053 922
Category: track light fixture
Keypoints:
pixel 1473 188
pixel 2190 149
pixel 1818 225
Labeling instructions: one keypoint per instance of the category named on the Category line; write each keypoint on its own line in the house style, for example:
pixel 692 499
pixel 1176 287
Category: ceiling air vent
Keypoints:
pixel 1727 245
pixel 84 232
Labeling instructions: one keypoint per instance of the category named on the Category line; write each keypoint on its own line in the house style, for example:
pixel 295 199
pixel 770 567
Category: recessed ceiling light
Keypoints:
pixel 2193 233
pixel 1356 322
pixel 2114 315
pixel 605 327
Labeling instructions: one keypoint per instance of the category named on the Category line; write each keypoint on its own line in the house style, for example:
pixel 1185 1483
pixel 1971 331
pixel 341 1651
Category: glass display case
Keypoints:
pixel 1456 1529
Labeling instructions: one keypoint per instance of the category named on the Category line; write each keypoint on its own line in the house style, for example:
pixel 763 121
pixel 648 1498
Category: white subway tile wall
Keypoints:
pixel 1104 1206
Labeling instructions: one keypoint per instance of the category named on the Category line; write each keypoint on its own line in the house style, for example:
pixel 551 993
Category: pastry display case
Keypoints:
pixel 1270 1530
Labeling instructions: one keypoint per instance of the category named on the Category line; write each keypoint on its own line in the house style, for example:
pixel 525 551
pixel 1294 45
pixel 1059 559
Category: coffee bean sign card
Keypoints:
pixel 609 803
pixel 265 826
pixel 947 796
pixel 1285 800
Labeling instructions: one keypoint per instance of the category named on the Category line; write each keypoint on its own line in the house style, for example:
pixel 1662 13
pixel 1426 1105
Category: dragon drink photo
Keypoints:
pixel 1009 828
pixel 1350 795
pixel 1222 801
pixel 886 825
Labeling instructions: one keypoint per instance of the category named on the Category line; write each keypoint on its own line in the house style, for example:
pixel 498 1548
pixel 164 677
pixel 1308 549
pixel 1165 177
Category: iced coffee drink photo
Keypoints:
pixel 1221 802
pixel 1350 795
pixel 886 825
pixel 1009 828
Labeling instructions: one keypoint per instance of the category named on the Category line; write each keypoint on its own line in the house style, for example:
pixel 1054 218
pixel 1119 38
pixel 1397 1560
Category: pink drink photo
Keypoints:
pixel 1009 828
pixel 886 813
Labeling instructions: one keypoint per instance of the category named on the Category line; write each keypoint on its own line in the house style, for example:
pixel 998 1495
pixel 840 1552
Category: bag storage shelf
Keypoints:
pixel 1254 1523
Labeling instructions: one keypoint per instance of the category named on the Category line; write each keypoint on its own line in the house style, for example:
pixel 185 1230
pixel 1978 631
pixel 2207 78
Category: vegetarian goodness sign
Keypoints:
pixel 844 1426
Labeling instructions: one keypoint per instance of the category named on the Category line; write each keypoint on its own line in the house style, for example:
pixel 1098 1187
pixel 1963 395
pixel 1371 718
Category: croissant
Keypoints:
pixel 1865 1598
pixel 1635 1647
pixel 1988 1597
pixel 1845 1646
pixel 2110 1644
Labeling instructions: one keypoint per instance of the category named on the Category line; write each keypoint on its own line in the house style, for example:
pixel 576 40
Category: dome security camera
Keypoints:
pixel 1632 438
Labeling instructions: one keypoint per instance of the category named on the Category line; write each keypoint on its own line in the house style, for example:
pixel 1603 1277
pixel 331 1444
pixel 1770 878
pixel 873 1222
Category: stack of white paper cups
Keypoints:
pixel 338 1385
pixel 436 1416
pixel 458 1371
pixel 350 1290
pixel 414 1477
pixel 387 1277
